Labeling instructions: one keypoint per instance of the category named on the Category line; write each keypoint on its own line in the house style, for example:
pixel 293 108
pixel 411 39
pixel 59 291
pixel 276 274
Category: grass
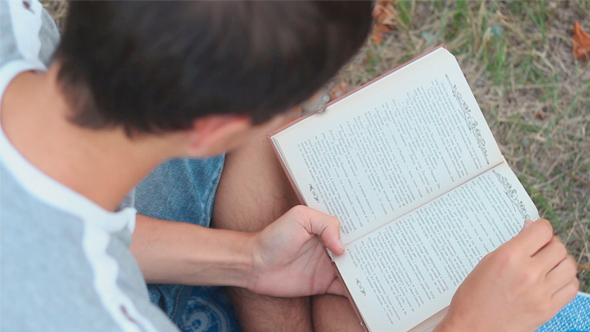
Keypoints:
pixel 517 57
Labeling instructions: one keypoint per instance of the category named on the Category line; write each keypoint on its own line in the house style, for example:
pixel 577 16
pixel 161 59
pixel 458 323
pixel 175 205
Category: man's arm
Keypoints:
pixel 287 258
pixel 183 253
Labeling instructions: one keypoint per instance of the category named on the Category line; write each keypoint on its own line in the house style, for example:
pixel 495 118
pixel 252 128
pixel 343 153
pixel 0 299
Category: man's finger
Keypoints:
pixel 562 274
pixel 550 255
pixel 566 294
pixel 527 223
pixel 534 237
pixel 326 227
pixel 337 288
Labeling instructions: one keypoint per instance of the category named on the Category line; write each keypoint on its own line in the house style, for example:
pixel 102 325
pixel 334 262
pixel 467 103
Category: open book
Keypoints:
pixel 410 167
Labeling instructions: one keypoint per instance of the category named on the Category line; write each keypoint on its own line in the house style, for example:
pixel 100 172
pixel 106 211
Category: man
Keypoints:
pixel 133 84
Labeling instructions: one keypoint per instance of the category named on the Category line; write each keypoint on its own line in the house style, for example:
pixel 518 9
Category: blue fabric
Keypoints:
pixel 574 317
pixel 184 190
pixel 209 309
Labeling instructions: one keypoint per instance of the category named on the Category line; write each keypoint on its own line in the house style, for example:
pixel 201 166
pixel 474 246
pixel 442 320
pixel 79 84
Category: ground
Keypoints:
pixel 517 57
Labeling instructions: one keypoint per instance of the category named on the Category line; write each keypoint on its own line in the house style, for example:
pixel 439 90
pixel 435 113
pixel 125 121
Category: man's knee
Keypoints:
pixel 253 190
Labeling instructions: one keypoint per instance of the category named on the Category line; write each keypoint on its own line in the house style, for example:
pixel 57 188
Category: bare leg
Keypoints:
pixel 252 193
pixel 333 313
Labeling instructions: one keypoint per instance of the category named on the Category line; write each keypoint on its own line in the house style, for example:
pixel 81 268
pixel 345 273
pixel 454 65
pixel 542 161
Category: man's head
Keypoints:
pixel 155 67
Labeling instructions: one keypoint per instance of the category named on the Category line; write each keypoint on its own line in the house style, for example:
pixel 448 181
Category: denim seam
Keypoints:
pixel 173 314
pixel 214 187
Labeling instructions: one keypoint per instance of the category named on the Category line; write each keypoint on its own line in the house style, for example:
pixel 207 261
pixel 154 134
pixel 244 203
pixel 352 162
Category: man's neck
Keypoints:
pixel 103 165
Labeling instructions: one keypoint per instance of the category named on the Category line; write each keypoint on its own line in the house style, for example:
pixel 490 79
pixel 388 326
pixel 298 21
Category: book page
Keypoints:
pixel 409 269
pixel 390 147
pixel 430 324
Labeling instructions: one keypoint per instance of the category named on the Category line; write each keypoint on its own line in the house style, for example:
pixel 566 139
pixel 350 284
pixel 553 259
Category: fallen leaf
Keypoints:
pixel 377 37
pixel 581 43
pixel 338 90
pixel 582 267
pixel 541 115
pixel 384 14
pixel 382 28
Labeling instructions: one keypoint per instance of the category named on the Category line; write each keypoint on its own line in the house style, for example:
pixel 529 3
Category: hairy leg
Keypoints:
pixel 253 192
pixel 333 313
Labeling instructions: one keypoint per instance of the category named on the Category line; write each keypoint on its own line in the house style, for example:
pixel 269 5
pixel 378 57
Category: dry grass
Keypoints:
pixel 517 58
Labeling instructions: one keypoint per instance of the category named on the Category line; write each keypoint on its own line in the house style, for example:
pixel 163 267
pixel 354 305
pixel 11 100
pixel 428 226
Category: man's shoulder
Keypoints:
pixel 44 271
pixel 21 210
pixel 54 279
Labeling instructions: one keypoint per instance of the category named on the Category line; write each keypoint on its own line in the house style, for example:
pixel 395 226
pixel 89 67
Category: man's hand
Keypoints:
pixel 517 287
pixel 289 258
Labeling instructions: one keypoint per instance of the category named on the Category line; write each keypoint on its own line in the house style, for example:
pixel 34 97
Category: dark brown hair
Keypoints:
pixel 155 66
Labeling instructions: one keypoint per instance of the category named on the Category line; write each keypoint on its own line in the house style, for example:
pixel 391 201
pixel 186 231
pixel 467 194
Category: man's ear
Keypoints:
pixel 214 134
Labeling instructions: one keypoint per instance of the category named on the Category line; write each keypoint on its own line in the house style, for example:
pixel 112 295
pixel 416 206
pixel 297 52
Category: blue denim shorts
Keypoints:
pixel 183 190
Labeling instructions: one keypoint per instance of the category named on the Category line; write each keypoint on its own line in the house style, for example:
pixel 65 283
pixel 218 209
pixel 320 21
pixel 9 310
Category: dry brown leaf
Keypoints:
pixel 581 43
pixel 383 28
pixel 385 14
pixel 377 37
pixel 541 115
pixel 338 90
pixel 582 267
pixel 377 33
